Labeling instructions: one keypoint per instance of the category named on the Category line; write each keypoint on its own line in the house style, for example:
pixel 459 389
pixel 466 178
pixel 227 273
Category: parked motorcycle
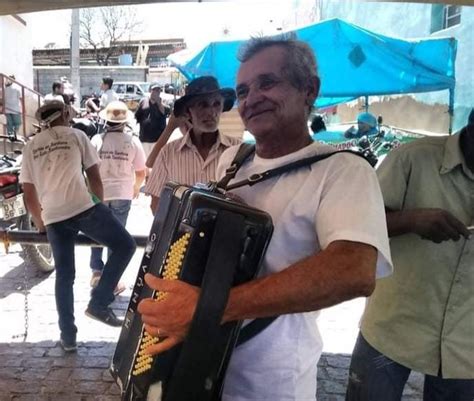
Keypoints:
pixel 14 215
pixel 373 146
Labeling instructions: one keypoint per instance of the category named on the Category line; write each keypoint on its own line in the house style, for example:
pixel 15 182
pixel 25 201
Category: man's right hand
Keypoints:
pixel 438 225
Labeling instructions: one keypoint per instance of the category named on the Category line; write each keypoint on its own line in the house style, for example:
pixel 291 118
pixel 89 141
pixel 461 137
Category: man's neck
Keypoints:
pixel 282 143
pixel 203 141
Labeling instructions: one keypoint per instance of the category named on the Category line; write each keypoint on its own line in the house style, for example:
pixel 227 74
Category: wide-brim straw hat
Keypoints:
pixel 49 105
pixel 116 112
pixel 203 86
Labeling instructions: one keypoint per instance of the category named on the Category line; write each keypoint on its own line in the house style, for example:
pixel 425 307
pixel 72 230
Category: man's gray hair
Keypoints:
pixel 300 63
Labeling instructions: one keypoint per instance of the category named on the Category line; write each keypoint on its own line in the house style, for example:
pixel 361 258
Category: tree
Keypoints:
pixel 101 29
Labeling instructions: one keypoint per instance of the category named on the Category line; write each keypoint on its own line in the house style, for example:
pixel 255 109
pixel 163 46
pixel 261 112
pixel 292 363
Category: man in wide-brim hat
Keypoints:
pixel 122 169
pixel 194 157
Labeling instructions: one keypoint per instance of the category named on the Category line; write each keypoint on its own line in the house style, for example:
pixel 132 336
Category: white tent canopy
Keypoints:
pixel 27 6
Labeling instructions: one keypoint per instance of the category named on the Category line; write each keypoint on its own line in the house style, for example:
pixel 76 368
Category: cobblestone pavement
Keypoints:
pixel 38 369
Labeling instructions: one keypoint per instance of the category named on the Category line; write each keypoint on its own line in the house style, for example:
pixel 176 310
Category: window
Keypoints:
pixel 452 16
pixel 119 88
pixel 444 16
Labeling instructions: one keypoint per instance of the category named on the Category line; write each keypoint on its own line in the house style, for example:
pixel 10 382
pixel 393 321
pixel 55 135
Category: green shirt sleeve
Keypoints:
pixel 393 175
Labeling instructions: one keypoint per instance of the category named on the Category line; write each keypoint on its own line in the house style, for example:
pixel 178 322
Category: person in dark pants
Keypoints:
pixel 151 115
pixel 422 317
pixel 62 204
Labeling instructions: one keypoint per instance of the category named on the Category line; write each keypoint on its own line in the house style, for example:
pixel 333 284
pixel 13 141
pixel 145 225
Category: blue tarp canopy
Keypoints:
pixel 352 62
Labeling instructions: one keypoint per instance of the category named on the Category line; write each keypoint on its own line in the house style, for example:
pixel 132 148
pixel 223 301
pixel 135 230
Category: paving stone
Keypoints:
pixel 107 377
pixel 101 351
pixel 55 352
pixel 339 361
pixel 6 350
pixel 67 361
pixel 107 398
pixel 87 374
pixel 331 397
pixel 21 387
pixel 55 388
pixel 59 374
pixel 24 397
pixel 337 374
pixel 12 361
pixel 37 363
pixel 96 362
pixel 10 373
pixel 114 389
pixel 33 374
pixel 91 387
pixel 332 387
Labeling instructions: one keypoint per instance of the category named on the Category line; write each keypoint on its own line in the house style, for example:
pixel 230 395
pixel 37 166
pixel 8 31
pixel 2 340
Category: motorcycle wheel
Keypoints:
pixel 39 256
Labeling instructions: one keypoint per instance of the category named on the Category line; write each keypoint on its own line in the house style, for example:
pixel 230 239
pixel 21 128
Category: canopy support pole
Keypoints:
pixel 366 104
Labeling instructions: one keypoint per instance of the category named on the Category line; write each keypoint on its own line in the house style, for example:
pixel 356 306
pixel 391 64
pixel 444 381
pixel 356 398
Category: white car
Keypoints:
pixel 132 92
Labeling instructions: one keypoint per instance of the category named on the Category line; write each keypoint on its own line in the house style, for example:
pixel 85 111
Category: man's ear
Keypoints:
pixel 312 90
pixel 187 114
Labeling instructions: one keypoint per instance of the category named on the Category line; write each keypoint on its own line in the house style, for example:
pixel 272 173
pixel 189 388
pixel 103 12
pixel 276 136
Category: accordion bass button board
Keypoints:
pixel 206 240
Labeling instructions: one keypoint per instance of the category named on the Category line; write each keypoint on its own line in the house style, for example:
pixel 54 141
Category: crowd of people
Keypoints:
pixel 409 249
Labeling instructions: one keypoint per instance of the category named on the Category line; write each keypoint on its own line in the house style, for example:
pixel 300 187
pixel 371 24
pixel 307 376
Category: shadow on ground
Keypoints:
pixel 14 280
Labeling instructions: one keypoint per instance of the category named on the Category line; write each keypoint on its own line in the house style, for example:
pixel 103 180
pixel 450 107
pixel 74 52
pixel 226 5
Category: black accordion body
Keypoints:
pixel 203 238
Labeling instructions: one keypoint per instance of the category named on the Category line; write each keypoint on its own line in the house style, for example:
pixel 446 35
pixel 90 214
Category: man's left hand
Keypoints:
pixel 171 317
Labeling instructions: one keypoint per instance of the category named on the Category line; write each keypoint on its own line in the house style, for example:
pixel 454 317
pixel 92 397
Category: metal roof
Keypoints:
pixel 27 6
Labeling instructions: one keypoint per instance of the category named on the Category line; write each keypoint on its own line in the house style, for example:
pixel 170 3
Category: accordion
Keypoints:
pixel 203 238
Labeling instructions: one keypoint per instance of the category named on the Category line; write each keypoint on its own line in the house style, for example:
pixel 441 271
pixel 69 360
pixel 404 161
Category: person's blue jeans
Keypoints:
pixel 99 224
pixel 375 377
pixel 120 209
pixel 13 123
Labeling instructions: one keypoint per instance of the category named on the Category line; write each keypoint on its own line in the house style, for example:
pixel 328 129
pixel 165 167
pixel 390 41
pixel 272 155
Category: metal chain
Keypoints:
pixel 25 293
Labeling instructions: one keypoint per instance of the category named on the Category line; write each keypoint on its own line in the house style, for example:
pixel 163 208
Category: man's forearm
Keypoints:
pixel 400 222
pixel 95 182
pixel 343 271
pixel 32 204
pixel 96 188
pixel 139 178
pixel 162 140
pixel 155 200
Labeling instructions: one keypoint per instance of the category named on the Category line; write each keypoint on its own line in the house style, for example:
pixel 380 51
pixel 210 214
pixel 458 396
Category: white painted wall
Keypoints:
pixel 16 50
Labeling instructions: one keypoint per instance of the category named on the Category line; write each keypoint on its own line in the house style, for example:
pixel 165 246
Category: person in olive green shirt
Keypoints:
pixel 422 317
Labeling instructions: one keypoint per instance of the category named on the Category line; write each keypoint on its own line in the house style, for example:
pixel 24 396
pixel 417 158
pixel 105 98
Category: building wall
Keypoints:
pixel 16 50
pixel 409 20
pixel 91 77
pixel 16 59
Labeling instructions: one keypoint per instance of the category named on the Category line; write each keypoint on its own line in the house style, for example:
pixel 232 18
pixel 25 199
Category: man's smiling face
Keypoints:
pixel 267 99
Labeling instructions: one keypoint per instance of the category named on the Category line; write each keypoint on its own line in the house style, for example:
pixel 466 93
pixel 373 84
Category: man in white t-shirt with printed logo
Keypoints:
pixel 122 170
pixel 322 253
pixel 61 203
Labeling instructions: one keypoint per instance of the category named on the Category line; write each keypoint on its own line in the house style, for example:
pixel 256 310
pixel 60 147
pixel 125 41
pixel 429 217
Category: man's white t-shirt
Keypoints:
pixel 108 96
pixel 335 199
pixel 54 162
pixel 51 96
pixel 121 155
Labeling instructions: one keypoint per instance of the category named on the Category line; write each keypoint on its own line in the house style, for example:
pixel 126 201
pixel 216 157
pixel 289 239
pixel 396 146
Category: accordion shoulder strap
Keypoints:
pixel 253 328
pixel 245 150
pixel 256 178
pixel 199 346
